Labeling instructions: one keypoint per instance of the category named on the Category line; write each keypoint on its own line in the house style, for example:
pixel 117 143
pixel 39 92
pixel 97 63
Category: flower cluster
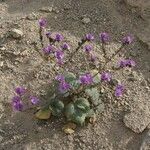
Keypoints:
pixel 42 22
pixel 86 78
pixel 119 90
pixel 17 103
pixel 105 76
pixel 104 37
pixel 126 63
pixel 127 40
pixel 63 85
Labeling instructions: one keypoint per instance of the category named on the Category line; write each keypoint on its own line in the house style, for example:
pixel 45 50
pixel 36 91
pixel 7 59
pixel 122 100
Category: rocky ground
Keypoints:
pixel 125 123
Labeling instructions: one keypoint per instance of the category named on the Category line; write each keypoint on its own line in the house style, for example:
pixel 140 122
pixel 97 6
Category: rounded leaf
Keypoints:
pixel 69 111
pixel 56 107
pixel 82 102
pixel 43 114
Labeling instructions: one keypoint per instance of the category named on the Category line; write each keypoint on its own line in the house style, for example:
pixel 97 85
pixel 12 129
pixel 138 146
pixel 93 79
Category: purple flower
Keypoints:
pixel 65 46
pixel 20 90
pixel 59 54
pixel 48 34
pixel 93 57
pixel 17 103
pixel 63 86
pixel 86 78
pixel 119 90
pixel 48 49
pixel 105 76
pixel 127 40
pixel 42 22
pixel 88 48
pixel 60 78
pixel 34 100
pixel 122 63
pixel 130 63
pixel 58 37
pixel 89 37
pixel 104 36
pixel 126 63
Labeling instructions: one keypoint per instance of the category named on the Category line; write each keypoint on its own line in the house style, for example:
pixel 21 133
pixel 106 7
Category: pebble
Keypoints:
pixel 46 9
pixel 1 138
pixel 86 20
pixel 32 16
pixel 16 33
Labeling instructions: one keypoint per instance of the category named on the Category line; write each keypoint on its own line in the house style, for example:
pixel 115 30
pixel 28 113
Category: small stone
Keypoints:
pixel 86 20
pixel 138 119
pixel 32 16
pixel 46 9
pixel 2 48
pixel 15 33
pixel 1 63
pixel 1 138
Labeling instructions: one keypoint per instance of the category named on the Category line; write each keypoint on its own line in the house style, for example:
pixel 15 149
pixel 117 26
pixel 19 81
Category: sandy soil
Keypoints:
pixel 21 131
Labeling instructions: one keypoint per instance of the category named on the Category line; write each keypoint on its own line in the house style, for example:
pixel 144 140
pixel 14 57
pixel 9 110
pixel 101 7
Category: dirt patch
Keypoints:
pixel 17 67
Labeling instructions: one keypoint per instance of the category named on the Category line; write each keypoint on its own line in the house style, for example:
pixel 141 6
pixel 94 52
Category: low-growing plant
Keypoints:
pixel 77 96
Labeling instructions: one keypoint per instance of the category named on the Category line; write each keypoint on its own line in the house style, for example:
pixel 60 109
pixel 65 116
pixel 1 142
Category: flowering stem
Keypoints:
pixel 76 50
pixel 37 50
pixel 41 37
pixel 104 51
pixel 110 59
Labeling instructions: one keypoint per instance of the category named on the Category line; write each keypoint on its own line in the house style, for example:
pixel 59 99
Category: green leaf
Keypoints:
pixel 56 107
pixel 79 118
pixel 69 77
pixel 82 104
pixel 90 113
pixel 77 111
pixel 43 114
pixel 93 93
pixel 69 111
pixel 53 89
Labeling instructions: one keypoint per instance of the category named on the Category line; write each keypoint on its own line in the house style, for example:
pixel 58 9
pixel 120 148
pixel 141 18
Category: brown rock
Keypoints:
pixel 138 119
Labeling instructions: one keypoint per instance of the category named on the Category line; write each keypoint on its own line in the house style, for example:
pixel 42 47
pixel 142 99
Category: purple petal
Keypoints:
pixel 89 37
pixel 63 86
pixel 104 36
pixel 20 90
pixel 88 48
pixel 42 22
pixel 34 100
pixel 17 104
pixel 127 40
pixel 105 76
pixel 60 78
pixel 86 78
pixel 65 46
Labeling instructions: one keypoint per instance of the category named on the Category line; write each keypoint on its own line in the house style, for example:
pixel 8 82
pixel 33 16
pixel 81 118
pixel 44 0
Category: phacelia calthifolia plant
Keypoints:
pixel 77 95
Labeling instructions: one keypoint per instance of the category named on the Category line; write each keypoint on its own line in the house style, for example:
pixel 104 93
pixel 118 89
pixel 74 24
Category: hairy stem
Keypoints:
pixel 41 37
pixel 110 59
pixel 76 50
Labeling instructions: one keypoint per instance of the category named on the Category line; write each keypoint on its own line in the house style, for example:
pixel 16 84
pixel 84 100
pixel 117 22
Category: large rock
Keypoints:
pixel 144 36
pixel 138 119
pixel 143 7
pixel 146 142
